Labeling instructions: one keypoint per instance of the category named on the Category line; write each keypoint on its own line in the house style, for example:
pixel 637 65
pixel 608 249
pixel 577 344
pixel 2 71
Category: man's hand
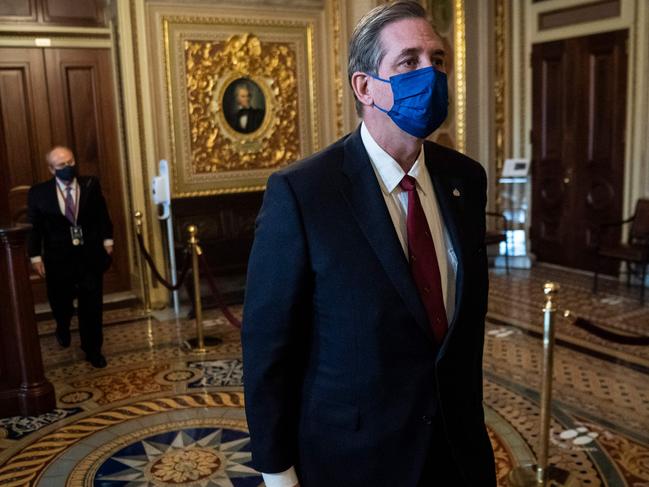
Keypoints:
pixel 109 249
pixel 39 268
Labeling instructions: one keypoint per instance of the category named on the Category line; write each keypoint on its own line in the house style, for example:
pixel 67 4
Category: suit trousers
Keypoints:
pixel 76 280
pixel 440 469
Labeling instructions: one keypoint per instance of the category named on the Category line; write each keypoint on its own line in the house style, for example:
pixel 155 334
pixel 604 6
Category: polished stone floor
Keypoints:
pixel 160 414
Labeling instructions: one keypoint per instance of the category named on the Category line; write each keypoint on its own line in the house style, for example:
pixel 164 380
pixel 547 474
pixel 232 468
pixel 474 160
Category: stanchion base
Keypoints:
pixel 525 476
pixel 208 341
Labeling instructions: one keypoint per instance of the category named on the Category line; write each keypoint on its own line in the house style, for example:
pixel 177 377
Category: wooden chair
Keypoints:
pixel 636 251
pixel 493 237
pixel 18 204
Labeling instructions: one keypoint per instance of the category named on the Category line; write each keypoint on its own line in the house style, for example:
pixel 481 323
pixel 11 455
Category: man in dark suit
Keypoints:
pixel 70 246
pixel 363 323
pixel 245 118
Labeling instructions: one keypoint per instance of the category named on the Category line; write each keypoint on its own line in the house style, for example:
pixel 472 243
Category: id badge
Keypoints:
pixel 77 235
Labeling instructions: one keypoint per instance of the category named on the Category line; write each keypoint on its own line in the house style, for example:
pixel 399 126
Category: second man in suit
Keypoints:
pixel 70 246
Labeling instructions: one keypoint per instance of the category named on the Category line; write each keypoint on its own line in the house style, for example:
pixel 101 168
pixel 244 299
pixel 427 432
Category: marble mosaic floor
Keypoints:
pixel 160 414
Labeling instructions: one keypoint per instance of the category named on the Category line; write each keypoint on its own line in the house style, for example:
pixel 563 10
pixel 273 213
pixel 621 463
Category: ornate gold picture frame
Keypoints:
pixel 240 95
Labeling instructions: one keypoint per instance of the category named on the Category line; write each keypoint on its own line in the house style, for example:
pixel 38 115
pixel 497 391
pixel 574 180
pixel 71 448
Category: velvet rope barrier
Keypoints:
pixel 217 295
pixel 605 334
pixel 156 273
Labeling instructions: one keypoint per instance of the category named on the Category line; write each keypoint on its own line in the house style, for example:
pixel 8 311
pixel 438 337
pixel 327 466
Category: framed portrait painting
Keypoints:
pixel 240 94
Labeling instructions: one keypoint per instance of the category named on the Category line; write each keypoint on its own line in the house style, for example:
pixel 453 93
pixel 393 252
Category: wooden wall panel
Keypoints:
pixel 88 13
pixel 18 11
pixel 549 79
pixel 226 228
pixel 24 117
pixel 16 127
pixel 82 110
pixel 69 13
pixel 553 74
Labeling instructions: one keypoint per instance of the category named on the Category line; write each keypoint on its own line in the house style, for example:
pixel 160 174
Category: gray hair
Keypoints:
pixel 365 49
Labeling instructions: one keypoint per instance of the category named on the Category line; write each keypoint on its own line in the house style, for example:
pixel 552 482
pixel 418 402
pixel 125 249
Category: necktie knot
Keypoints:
pixel 68 188
pixel 408 183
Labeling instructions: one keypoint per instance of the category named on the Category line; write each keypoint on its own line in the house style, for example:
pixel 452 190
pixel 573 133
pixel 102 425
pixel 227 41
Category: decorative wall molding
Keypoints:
pixel 137 134
pixel 501 87
pixel 460 75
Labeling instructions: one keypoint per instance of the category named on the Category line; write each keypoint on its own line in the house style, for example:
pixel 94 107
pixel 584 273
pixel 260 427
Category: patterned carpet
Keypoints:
pixel 160 414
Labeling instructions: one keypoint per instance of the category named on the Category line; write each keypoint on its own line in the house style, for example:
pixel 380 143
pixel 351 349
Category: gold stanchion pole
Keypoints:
pixel 550 289
pixel 542 474
pixel 141 263
pixel 198 307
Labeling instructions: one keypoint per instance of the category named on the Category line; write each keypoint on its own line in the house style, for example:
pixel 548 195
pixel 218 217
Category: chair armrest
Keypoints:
pixel 617 224
pixel 603 226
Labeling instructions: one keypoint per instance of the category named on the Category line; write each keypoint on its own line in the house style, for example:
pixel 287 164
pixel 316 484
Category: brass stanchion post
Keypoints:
pixel 542 474
pixel 144 281
pixel 198 344
pixel 550 289
pixel 198 308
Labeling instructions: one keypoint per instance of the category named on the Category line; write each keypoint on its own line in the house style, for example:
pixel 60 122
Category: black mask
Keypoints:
pixel 66 173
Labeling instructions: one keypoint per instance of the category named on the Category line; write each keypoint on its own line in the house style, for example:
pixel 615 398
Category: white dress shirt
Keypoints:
pixel 61 194
pixel 389 174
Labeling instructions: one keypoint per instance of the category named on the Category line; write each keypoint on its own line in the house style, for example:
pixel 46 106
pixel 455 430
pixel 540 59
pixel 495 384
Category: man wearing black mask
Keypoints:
pixel 70 246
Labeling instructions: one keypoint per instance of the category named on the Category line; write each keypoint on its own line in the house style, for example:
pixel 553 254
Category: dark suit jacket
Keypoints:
pixel 342 376
pixel 50 235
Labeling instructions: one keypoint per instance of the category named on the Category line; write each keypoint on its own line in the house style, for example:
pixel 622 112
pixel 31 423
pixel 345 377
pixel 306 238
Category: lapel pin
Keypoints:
pixel 456 192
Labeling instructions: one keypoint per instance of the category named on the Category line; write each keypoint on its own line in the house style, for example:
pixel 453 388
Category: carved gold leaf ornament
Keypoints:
pixel 212 67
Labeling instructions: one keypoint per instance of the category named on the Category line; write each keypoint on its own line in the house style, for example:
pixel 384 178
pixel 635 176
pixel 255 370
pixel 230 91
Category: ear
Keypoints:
pixel 360 87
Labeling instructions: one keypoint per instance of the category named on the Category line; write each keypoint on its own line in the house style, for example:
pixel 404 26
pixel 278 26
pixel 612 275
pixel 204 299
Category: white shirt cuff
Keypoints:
pixel 36 259
pixel 108 242
pixel 287 478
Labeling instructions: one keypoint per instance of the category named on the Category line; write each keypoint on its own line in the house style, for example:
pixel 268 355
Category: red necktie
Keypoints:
pixel 423 261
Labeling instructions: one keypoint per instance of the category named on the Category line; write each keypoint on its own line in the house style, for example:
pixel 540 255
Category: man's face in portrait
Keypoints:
pixel 243 97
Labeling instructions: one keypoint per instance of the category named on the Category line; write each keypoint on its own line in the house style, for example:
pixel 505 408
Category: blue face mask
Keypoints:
pixel 420 101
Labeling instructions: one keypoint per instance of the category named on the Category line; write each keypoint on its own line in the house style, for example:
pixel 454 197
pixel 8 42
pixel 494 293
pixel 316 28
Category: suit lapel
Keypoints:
pixel 448 196
pixel 362 192
pixel 51 199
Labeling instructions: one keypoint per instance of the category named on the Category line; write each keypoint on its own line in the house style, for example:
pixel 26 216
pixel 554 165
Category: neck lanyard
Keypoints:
pixel 76 198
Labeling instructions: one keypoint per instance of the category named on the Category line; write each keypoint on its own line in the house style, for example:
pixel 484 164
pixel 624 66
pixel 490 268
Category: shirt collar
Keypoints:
pixel 62 184
pixel 387 168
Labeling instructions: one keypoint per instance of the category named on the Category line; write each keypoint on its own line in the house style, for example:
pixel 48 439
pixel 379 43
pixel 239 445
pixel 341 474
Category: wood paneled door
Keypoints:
pixel 78 13
pixel 579 105
pixel 62 97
